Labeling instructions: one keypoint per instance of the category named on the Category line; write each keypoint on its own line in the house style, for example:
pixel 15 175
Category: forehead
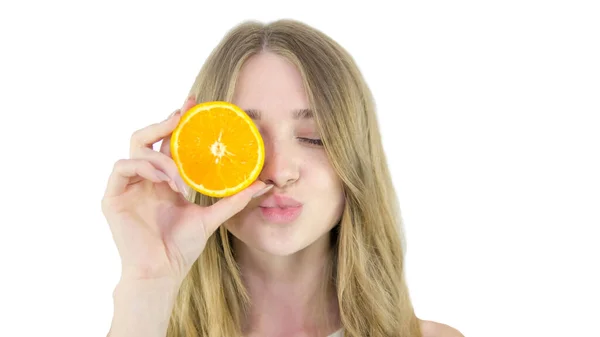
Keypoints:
pixel 270 83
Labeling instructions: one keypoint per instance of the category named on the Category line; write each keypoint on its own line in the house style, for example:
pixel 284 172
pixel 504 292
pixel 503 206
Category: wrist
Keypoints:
pixel 143 307
pixel 130 287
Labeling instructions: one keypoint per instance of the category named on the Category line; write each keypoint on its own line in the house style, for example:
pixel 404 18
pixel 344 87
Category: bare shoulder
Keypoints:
pixel 435 329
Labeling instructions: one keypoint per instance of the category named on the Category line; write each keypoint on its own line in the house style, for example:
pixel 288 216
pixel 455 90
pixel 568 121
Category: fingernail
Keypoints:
pixel 263 191
pixel 191 97
pixel 173 186
pixel 181 186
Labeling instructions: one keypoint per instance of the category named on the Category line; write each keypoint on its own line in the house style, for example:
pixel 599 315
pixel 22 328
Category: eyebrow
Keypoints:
pixel 297 114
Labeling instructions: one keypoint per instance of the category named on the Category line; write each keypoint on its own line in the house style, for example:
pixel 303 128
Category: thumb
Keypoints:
pixel 227 207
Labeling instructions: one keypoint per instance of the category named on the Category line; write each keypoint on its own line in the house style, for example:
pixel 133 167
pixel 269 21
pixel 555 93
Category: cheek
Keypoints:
pixel 323 178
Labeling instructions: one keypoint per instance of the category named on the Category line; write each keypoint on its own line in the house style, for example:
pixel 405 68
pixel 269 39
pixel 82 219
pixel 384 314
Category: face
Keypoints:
pixel 307 199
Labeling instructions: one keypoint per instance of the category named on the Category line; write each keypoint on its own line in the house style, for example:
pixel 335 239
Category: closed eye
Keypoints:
pixel 312 141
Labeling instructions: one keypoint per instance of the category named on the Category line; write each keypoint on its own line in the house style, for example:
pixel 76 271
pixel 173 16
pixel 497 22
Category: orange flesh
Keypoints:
pixel 217 151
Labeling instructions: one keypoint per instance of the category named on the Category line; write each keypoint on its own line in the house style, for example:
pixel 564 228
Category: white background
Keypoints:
pixel 489 112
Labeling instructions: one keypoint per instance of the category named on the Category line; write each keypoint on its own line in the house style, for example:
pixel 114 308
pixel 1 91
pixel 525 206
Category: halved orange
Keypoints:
pixel 217 148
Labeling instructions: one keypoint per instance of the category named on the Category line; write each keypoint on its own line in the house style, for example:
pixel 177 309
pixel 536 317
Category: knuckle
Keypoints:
pixel 136 137
pixel 110 207
pixel 107 206
pixel 104 206
pixel 119 164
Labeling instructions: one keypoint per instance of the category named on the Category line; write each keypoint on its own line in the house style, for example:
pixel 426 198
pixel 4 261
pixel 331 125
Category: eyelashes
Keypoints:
pixel 312 141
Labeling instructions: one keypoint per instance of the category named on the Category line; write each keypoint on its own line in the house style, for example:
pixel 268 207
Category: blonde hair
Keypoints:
pixel 366 267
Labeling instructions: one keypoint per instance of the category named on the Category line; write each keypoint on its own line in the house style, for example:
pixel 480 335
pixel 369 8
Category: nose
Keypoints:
pixel 280 167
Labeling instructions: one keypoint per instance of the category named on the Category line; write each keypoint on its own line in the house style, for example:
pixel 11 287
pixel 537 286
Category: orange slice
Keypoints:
pixel 217 149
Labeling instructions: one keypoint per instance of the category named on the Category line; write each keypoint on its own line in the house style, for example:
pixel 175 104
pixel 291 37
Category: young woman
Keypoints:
pixel 196 266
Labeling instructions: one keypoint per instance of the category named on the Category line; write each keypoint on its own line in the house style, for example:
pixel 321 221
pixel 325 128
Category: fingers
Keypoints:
pixel 227 207
pixel 146 137
pixel 165 147
pixel 166 165
pixel 189 103
pixel 146 163
pixel 144 159
pixel 124 172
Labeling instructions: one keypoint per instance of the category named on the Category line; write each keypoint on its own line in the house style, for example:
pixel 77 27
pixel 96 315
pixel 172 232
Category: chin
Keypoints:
pixel 281 249
pixel 274 239
pixel 271 241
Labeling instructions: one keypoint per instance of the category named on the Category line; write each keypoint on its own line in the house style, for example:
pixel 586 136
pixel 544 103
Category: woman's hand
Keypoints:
pixel 159 233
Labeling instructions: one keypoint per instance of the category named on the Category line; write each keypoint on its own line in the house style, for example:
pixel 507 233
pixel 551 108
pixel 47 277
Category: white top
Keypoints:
pixel 338 333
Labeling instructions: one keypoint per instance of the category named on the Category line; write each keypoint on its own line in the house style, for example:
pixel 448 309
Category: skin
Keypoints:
pixel 159 234
pixel 282 263
pixel 435 329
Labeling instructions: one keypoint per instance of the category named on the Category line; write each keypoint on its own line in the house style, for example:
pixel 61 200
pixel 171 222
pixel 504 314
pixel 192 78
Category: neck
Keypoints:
pixel 290 295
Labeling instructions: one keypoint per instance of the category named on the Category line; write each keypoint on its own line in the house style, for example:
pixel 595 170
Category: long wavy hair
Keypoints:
pixel 366 268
